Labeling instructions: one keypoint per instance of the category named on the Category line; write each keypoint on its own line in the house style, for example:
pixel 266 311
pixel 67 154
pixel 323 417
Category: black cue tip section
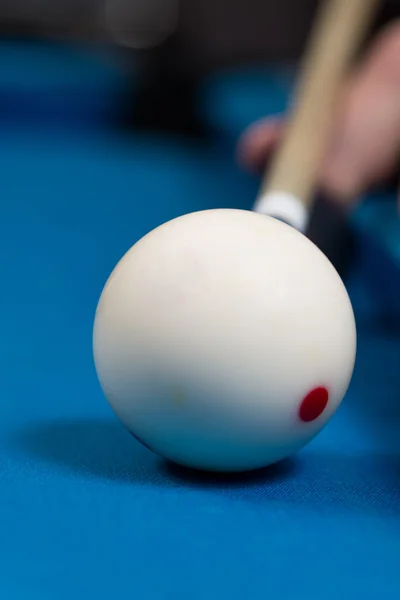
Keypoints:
pixel 330 230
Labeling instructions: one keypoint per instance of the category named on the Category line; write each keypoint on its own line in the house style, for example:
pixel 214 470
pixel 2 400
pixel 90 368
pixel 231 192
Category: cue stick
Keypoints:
pixel 287 190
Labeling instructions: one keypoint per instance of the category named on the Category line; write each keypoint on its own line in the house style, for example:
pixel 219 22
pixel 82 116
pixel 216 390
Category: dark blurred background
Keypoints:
pixel 164 47
pixel 209 33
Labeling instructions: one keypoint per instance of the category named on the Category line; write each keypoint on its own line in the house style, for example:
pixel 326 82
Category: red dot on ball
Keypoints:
pixel 314 404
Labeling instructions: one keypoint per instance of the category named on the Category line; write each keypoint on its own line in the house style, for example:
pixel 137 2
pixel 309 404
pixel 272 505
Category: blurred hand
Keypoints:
pixel 365 146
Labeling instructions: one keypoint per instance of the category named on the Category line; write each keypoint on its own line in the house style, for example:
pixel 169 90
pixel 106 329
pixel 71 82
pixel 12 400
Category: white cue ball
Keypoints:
pixel 224 340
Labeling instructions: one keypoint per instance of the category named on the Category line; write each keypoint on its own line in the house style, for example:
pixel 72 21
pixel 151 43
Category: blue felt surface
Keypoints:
pixel 85 511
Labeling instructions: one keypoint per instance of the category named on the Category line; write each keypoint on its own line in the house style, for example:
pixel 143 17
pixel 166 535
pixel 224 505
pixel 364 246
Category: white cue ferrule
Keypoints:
pixel 285 207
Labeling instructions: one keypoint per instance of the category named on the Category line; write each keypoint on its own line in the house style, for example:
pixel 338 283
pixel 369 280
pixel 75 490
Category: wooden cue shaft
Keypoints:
pixel 337 34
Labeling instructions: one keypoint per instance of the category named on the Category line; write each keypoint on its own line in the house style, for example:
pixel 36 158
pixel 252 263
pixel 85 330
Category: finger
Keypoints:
pixel 257 143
